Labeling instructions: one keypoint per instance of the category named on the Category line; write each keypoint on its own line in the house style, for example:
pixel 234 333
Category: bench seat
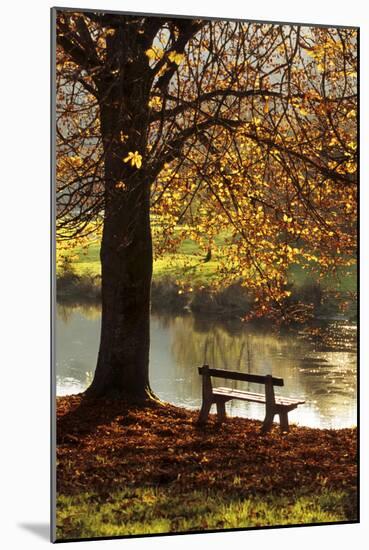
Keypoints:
pixel 255 397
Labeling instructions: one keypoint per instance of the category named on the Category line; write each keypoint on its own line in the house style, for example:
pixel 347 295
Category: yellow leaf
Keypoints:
pixel 155 102
pixel 175 57
pixel 150 53
pixel 154 53
pixel 135 158
pixel 351 167
pixel 120 185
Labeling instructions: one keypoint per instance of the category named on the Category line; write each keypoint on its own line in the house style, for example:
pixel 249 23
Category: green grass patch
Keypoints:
pixel 86 261
pixel 189 268
pixel 187 264
pixel 345 280
pixel 139 511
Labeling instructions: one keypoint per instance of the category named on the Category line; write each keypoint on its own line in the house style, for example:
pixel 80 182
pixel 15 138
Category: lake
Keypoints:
pixel 322 371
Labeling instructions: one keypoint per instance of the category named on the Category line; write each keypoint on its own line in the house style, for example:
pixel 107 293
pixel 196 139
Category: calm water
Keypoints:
pixel 323 372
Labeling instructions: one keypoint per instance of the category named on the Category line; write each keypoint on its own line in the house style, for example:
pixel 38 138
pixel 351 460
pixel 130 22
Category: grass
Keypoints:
pixel 187 264
pixel 182 279
pixel 344 281
pixel 87 261
pixel 148 510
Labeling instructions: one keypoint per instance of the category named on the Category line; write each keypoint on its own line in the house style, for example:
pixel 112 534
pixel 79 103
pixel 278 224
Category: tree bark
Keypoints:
pixel 126 252
pixel 126 262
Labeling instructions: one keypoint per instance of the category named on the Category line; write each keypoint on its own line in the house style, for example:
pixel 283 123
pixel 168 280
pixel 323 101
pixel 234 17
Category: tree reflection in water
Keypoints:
pixel 322 370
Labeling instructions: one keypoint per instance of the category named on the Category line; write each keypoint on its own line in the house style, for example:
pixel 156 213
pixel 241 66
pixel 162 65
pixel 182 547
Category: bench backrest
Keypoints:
pixel 243 376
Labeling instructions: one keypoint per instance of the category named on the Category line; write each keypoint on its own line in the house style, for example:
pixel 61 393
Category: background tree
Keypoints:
pixel 242 127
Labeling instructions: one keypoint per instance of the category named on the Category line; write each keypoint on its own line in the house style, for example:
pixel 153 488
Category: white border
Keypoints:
pixel 24 219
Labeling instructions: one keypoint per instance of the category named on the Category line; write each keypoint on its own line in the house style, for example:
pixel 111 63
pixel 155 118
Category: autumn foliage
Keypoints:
pixel 239 127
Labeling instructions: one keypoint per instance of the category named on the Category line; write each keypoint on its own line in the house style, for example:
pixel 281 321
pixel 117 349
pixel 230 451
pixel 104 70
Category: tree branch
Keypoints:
pixel 174 148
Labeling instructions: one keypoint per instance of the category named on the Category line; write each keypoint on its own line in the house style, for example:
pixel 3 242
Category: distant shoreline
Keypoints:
pixel 233 301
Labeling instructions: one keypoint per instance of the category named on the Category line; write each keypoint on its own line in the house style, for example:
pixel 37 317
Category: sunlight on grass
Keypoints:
pixel 136 511
pixel 188 265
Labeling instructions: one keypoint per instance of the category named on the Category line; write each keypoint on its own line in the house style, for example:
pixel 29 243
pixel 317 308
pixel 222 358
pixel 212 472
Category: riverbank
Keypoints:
pixel 310 300
pixel 187 279
pixel 124 471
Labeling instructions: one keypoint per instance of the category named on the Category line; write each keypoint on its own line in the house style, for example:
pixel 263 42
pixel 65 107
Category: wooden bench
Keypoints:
pixel 273 404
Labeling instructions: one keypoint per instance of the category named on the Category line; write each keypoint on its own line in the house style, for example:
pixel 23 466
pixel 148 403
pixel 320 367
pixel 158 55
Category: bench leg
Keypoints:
pixel 221 411
pixel 204 412
pixel 268 422
pixel 283 420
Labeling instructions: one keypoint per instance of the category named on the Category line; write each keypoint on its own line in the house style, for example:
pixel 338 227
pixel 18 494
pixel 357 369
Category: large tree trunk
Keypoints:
pixel 126 259
pixel 126 249
pixel 126 262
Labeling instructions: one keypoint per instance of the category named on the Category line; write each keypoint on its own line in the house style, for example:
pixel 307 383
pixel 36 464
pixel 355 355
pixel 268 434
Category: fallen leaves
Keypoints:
pixel 103 445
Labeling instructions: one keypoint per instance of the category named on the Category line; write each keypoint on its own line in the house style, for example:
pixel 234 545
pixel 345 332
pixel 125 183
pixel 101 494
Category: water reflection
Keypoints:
pixel 311 368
